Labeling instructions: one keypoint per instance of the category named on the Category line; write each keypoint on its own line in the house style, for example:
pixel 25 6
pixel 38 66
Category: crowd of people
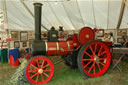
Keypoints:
pixel 108 37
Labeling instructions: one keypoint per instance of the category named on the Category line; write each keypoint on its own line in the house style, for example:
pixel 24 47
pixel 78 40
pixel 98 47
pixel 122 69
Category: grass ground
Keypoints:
pixel 66 76
pixel 5 73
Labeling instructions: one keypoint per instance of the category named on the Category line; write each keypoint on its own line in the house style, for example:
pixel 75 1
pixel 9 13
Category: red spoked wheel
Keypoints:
pixel 94 59
pixel 39 70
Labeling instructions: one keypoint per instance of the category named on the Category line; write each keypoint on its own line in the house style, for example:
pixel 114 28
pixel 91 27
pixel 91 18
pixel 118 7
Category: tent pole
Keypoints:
pixel 121 15
pixel 6 19
pixel 31 13
pixel 5 12
pixel 6 22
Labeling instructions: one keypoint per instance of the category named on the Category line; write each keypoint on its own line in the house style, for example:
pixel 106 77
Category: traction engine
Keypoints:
pixel 91 56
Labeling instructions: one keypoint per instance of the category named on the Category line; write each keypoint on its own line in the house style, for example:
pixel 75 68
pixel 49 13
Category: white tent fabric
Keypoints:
pixel 124 23
pixel 71 14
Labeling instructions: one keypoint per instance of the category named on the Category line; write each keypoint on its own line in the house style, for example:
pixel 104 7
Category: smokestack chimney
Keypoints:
pixel 37 10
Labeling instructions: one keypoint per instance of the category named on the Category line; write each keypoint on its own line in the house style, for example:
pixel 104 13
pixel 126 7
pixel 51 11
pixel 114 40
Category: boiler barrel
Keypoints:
pixel 53 48
pixel 59 48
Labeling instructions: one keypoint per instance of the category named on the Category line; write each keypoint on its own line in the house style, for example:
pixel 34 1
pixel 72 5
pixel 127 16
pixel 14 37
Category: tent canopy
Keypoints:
pixel 71 14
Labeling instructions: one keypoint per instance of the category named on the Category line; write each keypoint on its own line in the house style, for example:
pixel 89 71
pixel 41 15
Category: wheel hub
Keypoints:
pixel 40 71
pixel 96 59
pixel 87 36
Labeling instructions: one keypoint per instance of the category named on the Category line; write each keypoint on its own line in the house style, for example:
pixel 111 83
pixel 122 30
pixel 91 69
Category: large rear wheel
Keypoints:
pixel 39 70
pixel 94 59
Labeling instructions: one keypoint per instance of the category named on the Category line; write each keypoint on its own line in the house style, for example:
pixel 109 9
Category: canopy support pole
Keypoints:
pixel 5 11
pixel 121 15
pixel 6 19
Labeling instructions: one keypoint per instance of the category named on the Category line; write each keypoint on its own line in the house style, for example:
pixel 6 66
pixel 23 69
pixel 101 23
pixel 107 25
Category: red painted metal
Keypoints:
pixel 41 72
pixel 52 48
pixel 59 48
pixel 63 48
pixel 71 46
pixel 86 34
pixel 96 59
pixel 75 41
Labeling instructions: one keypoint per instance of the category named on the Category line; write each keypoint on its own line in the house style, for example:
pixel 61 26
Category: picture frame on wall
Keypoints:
pixel 16 44
pixel 23 36
pixel 119 40
pixel 30 35
pixel 15 35
pixel 100 33
pixel 24 44
pixel 121 30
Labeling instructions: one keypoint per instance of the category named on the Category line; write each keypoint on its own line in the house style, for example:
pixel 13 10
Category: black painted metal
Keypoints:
pixel 37 10
pixel 38 46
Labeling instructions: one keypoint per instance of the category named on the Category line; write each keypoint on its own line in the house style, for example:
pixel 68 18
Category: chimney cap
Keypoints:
pixel 37 4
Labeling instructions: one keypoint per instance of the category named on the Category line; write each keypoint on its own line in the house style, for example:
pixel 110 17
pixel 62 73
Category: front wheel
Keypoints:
pixel 94 59
pixel 39 70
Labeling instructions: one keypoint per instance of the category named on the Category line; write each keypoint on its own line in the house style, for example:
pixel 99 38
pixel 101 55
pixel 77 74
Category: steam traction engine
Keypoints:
pixel 91 56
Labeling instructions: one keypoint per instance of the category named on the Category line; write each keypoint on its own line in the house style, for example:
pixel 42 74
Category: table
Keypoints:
pixel 120 50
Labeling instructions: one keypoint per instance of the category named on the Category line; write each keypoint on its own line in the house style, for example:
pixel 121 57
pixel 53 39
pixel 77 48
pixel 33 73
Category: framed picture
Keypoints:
pixel 119 40
pixel 23 36
pixel 100 33
pixel 16 44
pixel 24 44
pixel 15 35
pixel 30 35
pixel 121 30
